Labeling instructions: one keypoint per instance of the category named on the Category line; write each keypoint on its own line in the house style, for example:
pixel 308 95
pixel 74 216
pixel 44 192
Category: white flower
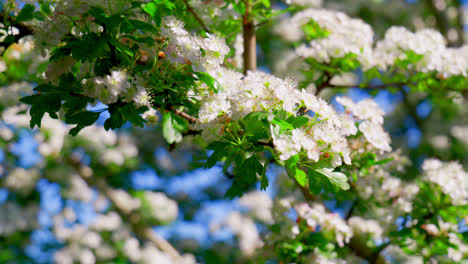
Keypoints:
pixel 316 215
pixel 460 133
pixel 142 97
pixel 151 116
pixel 375 134
pixel 367 226
pixel 124 200
pixel 163 209
pixel 366 109
pixel 78 189
pixel 259 204
pixel 309 3
pixel 245 229
pixel 349 127
pixel 21 180
pixel 346 35
pixel 131 249
pixel 107 222
pixel 450 176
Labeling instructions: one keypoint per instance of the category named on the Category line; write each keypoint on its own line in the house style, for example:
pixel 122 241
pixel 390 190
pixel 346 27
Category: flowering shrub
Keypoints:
pixel 104 85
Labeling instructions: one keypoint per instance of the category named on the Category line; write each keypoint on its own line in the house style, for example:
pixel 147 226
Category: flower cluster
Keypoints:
pixel 316 215
pixel 86 244
pixel 204 54
pixel 307 3
pixel 259 205
pixel 160 207
pixel 246 231
pixel 50 32
pixel 361 226
pixel 163 209
pixel 352 36
pixel 15 218
pixel 22 180
pixel 450 176
pixel 428 43
pixel 257 92
pixel 460 133
pixel 371 126
pixel 116 86
pixel 345 35
pixel 380 187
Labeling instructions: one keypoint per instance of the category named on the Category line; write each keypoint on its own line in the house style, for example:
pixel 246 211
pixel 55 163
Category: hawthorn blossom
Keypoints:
pixel 450 176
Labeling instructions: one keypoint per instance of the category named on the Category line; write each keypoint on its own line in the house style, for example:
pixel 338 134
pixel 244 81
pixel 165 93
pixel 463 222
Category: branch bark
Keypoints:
pixel 444 25
pixel 190 118
pixel 250 42
pixel 190 9
pixel 375 87
pixel 440 18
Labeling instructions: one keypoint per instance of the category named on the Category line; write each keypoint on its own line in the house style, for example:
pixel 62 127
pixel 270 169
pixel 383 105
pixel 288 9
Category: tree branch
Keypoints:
pixel 140 230
pixel 460 24
pixel 250 42
pixel 190 118
pixel 360 249
pixel 370 87
pixel 324 84
pixel 442 22
pixel 190 9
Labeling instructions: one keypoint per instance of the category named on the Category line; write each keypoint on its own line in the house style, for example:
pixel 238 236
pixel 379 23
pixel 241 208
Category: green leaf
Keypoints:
pixel 246 177
pixel 170 133
pixel 312 30
pixel 45 88
pixel 256 126
pixel 300 176
pixel 291 165
pixel 46 8
pixel 220 150
pixel 130 113
pixel 265 3
pixel 152 10
pixel 263 181
pixel 284 125
pixel 102 67
pixel 41 104
pixel 26 13
pixel 299 121
pixel 116 119
pixel 210 81
pixel 75 104
pixel 334 180
pixel 143 26
pixel 39 16
pixel 90 47
pixel 58 53
pixel 82 120
pixel 180 123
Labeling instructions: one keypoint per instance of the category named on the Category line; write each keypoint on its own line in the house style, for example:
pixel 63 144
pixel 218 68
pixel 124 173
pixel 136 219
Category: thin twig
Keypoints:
pixel 190 9
pixel 190 118
pixel 376 86
pixel 262 23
